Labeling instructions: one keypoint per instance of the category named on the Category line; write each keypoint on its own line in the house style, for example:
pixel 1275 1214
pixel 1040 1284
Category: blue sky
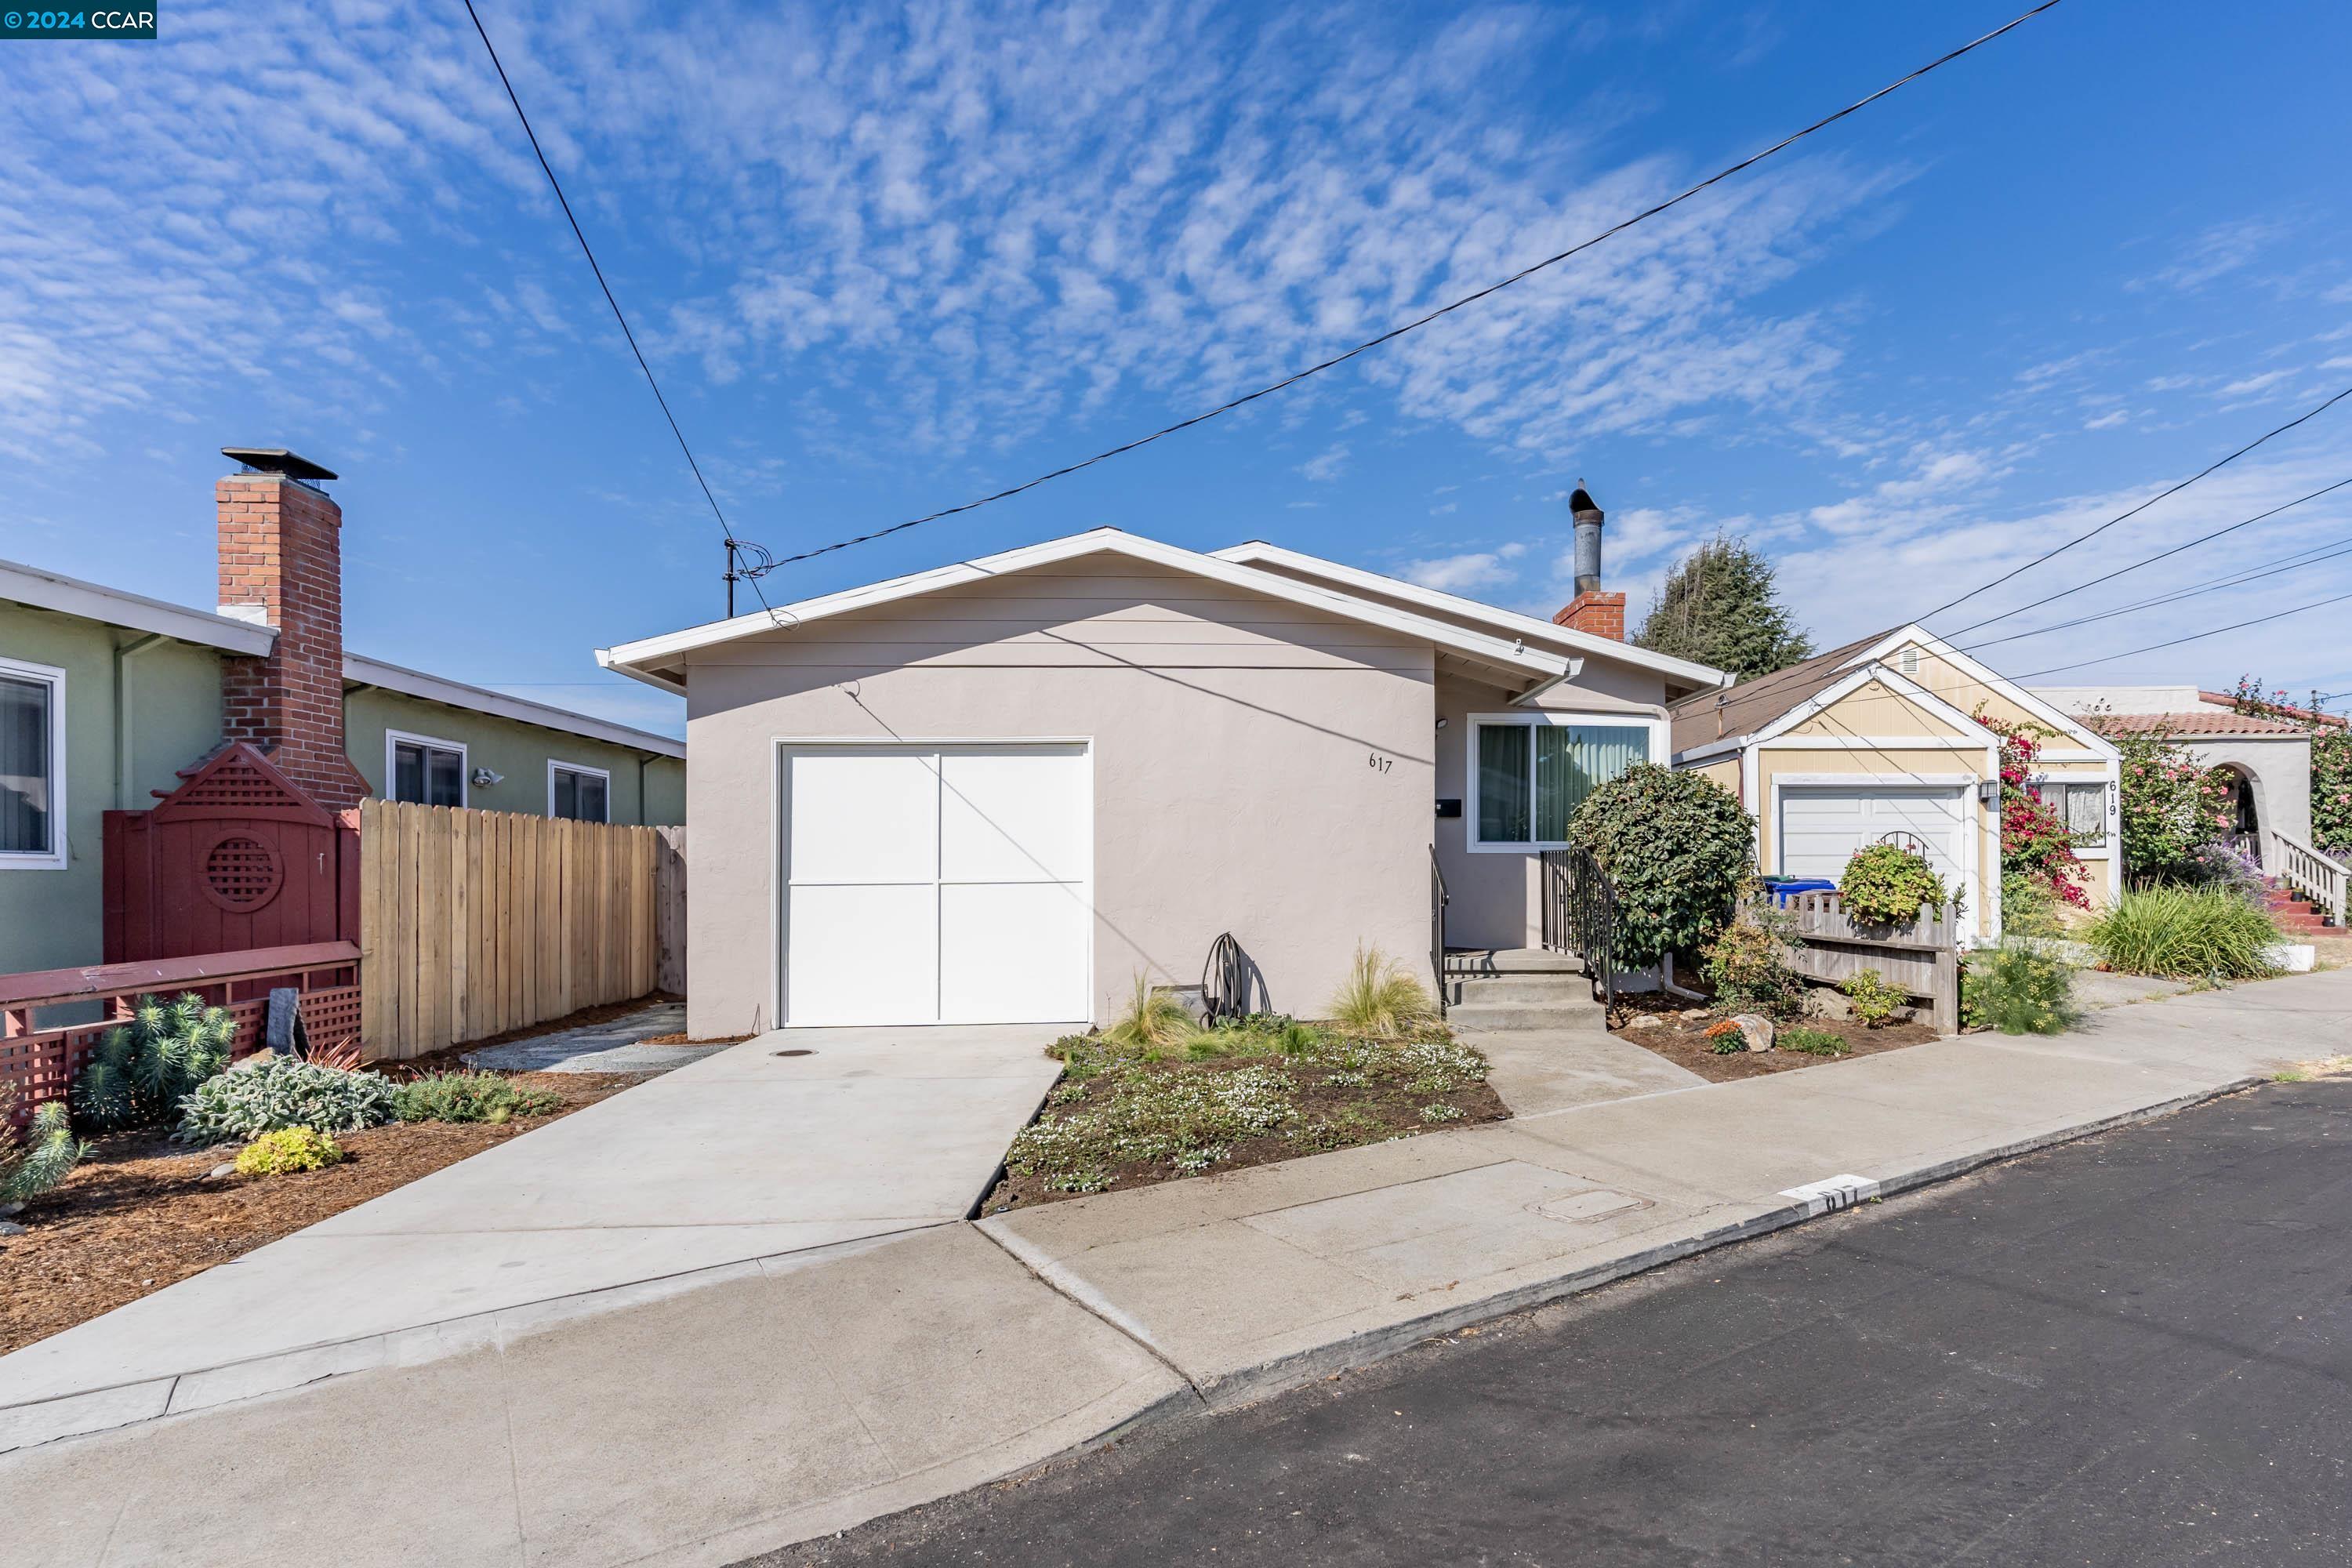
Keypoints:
pixel 886 260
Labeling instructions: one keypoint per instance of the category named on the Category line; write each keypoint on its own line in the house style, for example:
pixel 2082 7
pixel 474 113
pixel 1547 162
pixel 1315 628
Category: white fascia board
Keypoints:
pixel 1511 621
pixel 93 602
pixel 364 671
pixel 1891 678
pixel 646 656
pixel 2063 722
pixel 1723 746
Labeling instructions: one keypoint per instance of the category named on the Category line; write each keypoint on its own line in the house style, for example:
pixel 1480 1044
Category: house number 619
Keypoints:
pixel 1379 764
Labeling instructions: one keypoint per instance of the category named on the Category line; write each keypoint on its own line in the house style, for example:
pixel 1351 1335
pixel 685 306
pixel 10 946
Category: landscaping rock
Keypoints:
pixel 1824 1002
pixel 1754 1029
pixel 1646 1021
pixel 221 1173
pixel 10 1227
pixel 1691 1014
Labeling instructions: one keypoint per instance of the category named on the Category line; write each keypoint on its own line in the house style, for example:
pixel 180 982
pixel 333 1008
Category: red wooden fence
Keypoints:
pixel 41 1062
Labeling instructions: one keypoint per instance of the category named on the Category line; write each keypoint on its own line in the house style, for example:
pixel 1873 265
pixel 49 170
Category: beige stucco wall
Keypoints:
pixel 1495 894
pixel 1258 767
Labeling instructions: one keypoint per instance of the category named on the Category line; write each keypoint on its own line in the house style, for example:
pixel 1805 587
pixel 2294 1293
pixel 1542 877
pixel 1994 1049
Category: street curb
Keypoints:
pixel 1299 1369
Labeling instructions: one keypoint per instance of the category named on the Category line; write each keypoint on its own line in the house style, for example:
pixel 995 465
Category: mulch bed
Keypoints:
pixel 1684 1041
pixel 140 1212
pixel 1383 1111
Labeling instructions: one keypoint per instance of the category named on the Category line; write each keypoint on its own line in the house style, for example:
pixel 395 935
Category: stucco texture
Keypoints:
pixel 519 752
pixel 1259 768
pixel 52 919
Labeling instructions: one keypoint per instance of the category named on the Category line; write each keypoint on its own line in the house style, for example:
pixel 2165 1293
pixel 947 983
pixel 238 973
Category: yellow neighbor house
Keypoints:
pixel 1881 739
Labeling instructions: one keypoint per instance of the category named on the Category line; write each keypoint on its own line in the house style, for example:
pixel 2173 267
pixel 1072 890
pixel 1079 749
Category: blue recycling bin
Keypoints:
pixel 1783 891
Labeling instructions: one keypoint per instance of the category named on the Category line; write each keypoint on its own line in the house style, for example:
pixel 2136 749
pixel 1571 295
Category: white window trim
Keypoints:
pixel 59 854
pixel 555 765
pixel 391 739
pixel 1529 718
pixel 2111 790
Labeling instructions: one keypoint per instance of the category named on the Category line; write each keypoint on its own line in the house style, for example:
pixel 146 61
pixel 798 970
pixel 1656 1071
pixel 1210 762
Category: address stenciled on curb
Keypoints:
pixel 1833 1193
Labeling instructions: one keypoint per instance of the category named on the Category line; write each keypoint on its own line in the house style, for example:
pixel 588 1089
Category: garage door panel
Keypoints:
pixel 864 817
pixel 1013 816
pixel 1012 952
pixel 862 954
pixel 1822 827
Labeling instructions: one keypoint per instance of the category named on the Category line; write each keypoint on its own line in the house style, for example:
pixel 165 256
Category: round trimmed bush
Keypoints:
pixel 1885 884
pixel 1677 847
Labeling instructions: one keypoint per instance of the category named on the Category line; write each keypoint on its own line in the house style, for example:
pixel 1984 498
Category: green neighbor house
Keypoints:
pixel 107 696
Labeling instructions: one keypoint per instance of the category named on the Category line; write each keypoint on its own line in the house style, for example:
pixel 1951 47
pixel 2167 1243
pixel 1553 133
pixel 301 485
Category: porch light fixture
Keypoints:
pixel 1989 790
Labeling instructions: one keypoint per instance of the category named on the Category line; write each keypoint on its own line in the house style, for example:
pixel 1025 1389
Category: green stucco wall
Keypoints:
pixel 519 752
pixel 52 919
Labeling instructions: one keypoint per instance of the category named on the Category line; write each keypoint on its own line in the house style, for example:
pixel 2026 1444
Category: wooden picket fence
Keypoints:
pixel 474 922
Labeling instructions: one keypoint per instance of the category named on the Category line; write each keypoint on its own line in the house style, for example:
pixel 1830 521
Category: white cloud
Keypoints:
pixel 1459 573
pixel 2255 384
pixel 2109 421
pixel 1327 465
pixel 2219 250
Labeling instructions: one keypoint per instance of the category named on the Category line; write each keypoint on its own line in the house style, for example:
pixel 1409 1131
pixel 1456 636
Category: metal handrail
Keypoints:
pixel 1438 898
pixel 1579 915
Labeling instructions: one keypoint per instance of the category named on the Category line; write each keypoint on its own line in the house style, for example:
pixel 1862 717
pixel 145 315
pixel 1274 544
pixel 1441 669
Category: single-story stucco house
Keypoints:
pixel 1000 790
pixel 1881 738
pixel 108 698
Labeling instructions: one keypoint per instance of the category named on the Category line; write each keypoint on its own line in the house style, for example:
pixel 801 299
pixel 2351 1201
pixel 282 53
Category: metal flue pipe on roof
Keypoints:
pixel 1588 518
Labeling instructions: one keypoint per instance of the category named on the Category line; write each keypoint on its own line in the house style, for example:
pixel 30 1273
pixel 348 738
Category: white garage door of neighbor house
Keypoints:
pixel 938 885
pixel 1821 827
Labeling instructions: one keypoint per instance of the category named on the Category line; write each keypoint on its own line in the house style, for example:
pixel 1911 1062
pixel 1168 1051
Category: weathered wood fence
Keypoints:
pixel 669 910
pixel 1923 958
pixel 474 922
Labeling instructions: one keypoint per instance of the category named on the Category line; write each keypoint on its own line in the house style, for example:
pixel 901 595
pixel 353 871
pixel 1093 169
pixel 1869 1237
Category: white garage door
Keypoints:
pixel 1821 827
pixel 937 885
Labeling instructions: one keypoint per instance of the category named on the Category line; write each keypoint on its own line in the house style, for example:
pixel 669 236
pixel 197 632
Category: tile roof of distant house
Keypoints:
pixel 2201 722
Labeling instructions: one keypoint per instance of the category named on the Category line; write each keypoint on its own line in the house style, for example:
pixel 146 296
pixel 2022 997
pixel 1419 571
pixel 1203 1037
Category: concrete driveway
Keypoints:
pixel 748 1154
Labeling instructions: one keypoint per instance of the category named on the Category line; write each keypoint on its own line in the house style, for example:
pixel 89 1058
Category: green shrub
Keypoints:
pixel 283 1091
pixel 469 1097
pixel 1676 846
pixel 1875 998
pixel 27 1171
pixel 1381 1000
pixel 1811 1041
pixel 288 1150
pixel 1885 884
pixel 2019 990
pixel 145 1068
pixel 1744 965
pixel 2188 933
pixel 1154 1017
pixel 2027 906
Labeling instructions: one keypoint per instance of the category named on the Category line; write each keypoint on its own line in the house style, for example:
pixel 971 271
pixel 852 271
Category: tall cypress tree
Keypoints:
pixel 1719 608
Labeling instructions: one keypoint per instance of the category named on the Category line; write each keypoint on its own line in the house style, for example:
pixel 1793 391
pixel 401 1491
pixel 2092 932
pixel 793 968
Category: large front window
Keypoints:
pixel 1533 773
pixel 32 710
pixel 2082 806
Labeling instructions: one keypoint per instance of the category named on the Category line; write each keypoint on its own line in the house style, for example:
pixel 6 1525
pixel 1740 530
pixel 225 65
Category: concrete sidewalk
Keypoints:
pixel 744 1155
pixel 798 1397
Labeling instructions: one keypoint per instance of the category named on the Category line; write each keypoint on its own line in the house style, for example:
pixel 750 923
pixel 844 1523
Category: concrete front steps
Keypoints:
pixel 1519 988
pixel 2298 917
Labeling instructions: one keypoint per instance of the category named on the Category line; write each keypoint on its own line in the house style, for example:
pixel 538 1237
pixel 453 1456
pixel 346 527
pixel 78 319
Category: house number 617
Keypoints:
pixel 1379 764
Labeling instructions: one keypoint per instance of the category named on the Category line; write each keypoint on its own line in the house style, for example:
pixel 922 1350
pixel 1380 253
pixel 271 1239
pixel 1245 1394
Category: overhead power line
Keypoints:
pixel 745 561
pixel 2146 561
pixel 2193 637
pixel 2134 511
pixel 2296 562
pixel 1419 322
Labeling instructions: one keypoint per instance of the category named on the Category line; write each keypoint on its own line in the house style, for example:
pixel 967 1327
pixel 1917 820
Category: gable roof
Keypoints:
pixel 1754 707
pixel 659 661
pixel 1510 623
pixel 361 670
pixel 2198 721
pixel 1740 710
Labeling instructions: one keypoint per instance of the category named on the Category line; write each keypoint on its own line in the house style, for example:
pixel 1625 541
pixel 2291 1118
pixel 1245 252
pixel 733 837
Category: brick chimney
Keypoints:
pixel 281 566
pixel 1591 610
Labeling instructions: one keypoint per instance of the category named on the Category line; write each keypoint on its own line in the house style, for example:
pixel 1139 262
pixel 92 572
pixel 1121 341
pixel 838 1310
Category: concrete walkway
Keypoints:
pixel 1540 1070
pixel 792 1398
pixel 611 1047
pixel 749 1155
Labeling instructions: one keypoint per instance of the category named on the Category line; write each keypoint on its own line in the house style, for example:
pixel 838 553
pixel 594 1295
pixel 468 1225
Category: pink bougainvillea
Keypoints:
pixel 2034 841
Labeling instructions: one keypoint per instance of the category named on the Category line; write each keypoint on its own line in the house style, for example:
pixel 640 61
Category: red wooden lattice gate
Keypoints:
pixel 236 857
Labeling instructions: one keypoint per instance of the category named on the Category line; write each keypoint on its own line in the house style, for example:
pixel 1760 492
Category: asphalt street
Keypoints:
pixel 2133 1350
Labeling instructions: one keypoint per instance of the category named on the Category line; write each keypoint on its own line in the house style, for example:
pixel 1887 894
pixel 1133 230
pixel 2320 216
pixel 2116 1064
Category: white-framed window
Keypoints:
pixel 1528 771
pixel 579 794
pixel 32 766
pixel 2080 804
pixel 422 769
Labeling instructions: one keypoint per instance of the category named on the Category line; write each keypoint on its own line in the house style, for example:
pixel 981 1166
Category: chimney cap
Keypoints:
pixel 1582 501
pixel 278 461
